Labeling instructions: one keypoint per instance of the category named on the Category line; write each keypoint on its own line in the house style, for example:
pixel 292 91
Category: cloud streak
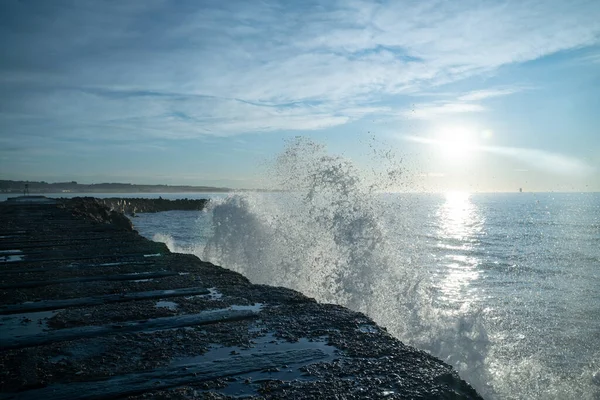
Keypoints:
pixel 463 103
pixel 487 94
pixel 543 160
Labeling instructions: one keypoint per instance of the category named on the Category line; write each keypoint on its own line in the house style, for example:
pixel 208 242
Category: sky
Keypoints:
pixel 466 95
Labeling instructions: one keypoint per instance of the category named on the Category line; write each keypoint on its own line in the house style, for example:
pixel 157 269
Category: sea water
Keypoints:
pixel 504 287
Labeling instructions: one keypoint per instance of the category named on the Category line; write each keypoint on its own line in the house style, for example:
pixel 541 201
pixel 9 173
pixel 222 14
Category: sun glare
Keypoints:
pixel 457 143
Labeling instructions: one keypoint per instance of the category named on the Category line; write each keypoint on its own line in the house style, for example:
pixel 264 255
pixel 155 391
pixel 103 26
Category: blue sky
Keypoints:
pixel 471 95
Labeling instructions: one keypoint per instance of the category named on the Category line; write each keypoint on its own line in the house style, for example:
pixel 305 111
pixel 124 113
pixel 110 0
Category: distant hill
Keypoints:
pixel 67 187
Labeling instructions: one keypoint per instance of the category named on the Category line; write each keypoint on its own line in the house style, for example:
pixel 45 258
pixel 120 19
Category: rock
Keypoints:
pixel 92 209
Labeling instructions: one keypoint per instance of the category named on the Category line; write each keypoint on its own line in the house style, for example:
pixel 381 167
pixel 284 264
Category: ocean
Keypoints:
pixel 503 286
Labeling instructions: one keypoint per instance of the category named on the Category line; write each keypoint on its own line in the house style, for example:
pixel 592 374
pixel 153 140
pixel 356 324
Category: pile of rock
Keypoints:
pixel 92 209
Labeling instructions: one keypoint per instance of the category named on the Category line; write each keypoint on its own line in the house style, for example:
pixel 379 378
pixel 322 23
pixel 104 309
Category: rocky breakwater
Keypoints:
pixel 131 206
pixel 91 310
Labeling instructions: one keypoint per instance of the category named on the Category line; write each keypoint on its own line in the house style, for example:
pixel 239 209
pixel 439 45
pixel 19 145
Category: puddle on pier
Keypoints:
pixel 256 307
pixel 213 295
pixel 14 235
pixel 133 274
pixel 246 384
pixel 111 264
pixel 171 305
pixel 136 273
pixel 11 255
pixel 25 324
pixel 368 328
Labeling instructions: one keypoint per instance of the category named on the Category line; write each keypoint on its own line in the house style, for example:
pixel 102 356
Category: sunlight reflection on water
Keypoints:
pixel 460 225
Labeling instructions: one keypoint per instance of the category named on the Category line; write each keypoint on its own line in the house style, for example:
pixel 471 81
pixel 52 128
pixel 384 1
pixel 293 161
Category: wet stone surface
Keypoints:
pixel 244 340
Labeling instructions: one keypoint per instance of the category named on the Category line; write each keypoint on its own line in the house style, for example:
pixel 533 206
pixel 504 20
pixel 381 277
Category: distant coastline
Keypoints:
pixel 8 186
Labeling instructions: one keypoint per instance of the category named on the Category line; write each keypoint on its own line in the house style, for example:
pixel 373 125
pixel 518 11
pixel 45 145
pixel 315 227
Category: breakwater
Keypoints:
pixel 90 309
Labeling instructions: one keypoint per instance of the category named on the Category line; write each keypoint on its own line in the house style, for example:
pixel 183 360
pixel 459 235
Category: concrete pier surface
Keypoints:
pixel 91 310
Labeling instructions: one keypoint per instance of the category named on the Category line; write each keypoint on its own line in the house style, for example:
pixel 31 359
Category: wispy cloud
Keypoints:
pixel 456 103
pixel 488 93
pixel 332 60
pixel 437 109
pixel 591 58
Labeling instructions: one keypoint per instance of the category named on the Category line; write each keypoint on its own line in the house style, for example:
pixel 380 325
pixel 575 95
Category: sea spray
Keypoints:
pixel 326 235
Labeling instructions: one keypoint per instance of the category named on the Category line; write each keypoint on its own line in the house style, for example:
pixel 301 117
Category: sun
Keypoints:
pixel 456 143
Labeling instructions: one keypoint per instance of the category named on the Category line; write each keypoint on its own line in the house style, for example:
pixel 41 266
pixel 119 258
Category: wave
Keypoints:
pixel 327 237
pixel 332 235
